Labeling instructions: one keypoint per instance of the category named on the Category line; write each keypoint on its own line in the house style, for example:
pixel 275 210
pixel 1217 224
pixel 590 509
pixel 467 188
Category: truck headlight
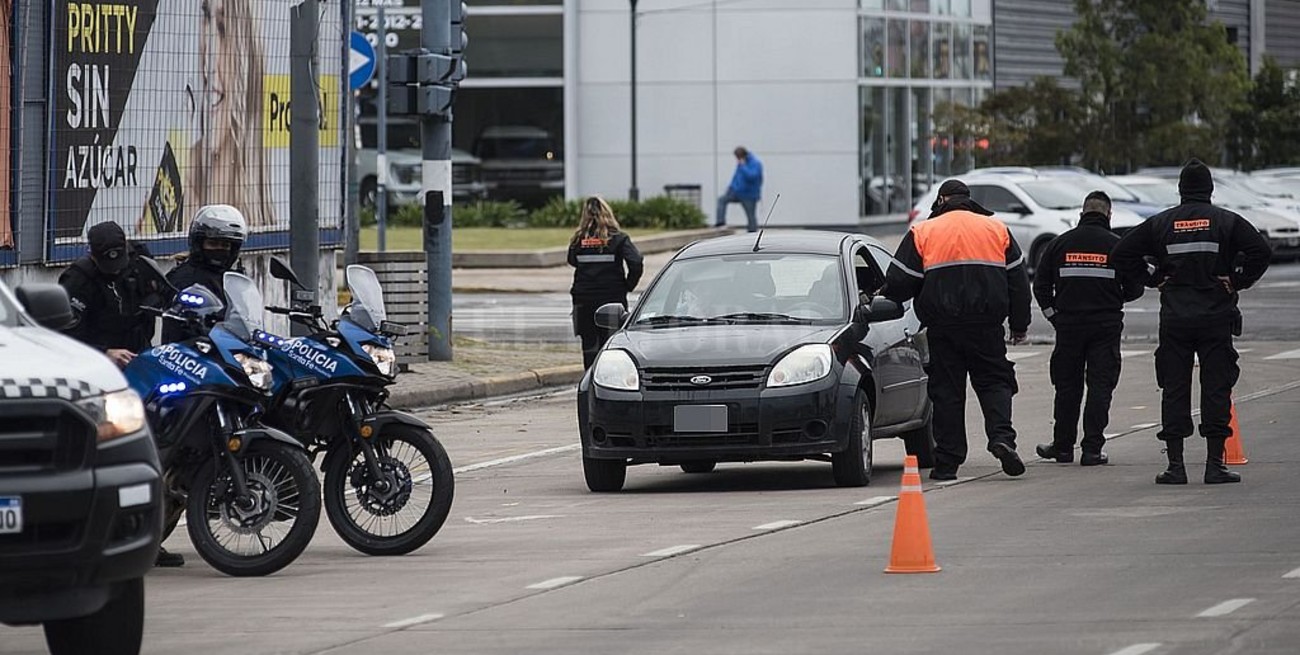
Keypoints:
pixel 257 370
pixel 616 370
pixel 802 365
pixel 382 357
pixel 116 414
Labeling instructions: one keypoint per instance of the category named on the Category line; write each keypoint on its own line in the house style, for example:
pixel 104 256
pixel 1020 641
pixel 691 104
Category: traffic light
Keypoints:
pixel 459 38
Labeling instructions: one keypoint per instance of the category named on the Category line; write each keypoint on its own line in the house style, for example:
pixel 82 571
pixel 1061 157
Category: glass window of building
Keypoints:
pixel 942 50
pixel 873 47
pixel 516 45
pixel 871 4
pixel 961 8
pixel 941 7
pixel 961 50
pixel 897 57
pixel 920 40
pixel 898 5
pixel 920 6
pixel 983 54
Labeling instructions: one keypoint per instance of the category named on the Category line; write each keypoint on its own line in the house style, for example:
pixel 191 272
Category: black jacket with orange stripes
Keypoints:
pixel 1195 245
pixel 963 268
pixel 1075 283
pixel 598 267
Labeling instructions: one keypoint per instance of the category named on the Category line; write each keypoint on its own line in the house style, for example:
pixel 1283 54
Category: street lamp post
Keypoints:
pixel 633 193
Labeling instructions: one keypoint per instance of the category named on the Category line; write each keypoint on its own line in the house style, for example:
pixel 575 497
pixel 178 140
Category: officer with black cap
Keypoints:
pixel 216 235
pixel 1196 247
pixel 1080 293
pixel 106 288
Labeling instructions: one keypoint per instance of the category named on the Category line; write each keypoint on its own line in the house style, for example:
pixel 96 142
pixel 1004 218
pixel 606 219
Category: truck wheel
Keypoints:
pixel 604 474
pixel 920 442
pixel 852 467
pixel 116 629
pixel 699 466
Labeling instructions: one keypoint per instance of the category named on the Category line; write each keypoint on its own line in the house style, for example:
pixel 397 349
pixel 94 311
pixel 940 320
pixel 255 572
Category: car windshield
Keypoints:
pixel 747 288
pixel 516 148
pixel 1059 193
pixel 1228 194
pixel 1272 187
pixel 367 308
pixel 244 315
pixel 1160 193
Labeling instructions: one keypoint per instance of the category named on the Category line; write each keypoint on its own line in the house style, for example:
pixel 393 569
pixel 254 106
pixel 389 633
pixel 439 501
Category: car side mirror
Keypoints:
pixel 1017 208
pixel 877 311
pixel 610 316
pixel 47 303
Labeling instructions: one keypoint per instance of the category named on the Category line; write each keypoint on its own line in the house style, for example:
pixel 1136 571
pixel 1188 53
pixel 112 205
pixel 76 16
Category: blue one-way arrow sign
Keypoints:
pixel 361 61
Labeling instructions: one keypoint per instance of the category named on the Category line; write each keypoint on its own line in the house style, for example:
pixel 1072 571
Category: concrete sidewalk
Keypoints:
pixel 483 370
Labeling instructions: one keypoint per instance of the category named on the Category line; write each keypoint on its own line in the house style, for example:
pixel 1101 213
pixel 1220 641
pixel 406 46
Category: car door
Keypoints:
pixel 897 361
pixel 1008 208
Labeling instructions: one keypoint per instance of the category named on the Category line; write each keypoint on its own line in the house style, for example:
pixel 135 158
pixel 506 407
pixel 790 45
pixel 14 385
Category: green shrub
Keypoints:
pixel 490 214
pixel 557 212
pixel 367 216
pixel 659 212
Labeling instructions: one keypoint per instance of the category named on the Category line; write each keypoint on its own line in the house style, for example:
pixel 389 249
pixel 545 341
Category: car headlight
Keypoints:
pixel 257 370
pixel 616 370
pixel 802 365
pixel 115 414
pixel 382 357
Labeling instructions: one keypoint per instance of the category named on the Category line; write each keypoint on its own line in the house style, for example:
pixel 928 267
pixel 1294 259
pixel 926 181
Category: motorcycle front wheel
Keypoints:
pixel 267 529
pixel 404 507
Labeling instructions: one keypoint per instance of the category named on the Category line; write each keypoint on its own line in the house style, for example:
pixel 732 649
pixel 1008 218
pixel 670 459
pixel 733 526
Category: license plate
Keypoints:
pixel 11 515
pixel 700 418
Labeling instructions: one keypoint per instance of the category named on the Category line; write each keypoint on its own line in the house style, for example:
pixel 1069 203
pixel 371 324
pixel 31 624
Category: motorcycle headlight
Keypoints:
pixel 257 370
pixel 616 370
pixel 116 414
pixel 802 365
pixel 383 358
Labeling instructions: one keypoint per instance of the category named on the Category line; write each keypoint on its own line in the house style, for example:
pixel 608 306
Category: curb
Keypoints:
pixel 553 257
pixel 488 387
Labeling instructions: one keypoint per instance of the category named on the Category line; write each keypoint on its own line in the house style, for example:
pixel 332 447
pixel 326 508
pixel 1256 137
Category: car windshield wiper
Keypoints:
pixel 764 317
pixel 670 318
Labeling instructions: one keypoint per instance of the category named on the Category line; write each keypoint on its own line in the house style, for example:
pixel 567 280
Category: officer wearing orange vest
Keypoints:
pixel 968 277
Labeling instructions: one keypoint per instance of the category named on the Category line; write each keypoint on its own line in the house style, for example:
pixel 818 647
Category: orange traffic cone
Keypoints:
pixel 1232 452
pixel 911 552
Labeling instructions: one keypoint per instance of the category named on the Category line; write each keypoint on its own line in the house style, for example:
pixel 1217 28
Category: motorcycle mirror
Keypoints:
pixel 280 270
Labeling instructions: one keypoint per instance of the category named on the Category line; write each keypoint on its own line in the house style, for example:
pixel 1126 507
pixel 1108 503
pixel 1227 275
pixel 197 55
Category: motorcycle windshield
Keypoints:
pixel 367 308
pixel 244 316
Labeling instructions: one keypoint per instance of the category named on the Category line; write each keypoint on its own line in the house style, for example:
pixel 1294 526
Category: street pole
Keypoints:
pixel 381 127
pixel 352 218
pixel 435 135
pixel 304 150
pixel 633 193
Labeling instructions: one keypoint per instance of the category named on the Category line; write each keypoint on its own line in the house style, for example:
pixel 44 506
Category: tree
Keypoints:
pixel 1159 82
pixel 1031 125
pixel 1267 131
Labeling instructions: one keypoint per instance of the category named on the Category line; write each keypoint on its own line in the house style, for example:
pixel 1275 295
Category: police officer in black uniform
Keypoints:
pixel 598 253
pixel 216 235
pixel 1080 293
pixel 106 288
pixel 1196 247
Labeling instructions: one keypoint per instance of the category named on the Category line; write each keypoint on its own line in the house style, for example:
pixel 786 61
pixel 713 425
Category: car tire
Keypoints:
pixel 1035 254
pixel 920 442
pixel 852 467
pixel 699 466
pixel 604 475
pixel 116 629
pixel 369 193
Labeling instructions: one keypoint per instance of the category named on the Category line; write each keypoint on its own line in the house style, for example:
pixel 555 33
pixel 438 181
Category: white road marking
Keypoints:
pixel 1294 575
pixel 1287 284
pixel 415 620
pixel 875 500
pixel 1125 354
pixel 776 525
pixel 512 519
pixel 1143 426
pixel 517 458
pixel 1017 356
pixel 1226 607
pixel 556 582
pixel 1138 407
pixel 1245 350
pixel 509 504
pixel 671 550
pixel 949 483
pixel 1290 354
pixel 1136 649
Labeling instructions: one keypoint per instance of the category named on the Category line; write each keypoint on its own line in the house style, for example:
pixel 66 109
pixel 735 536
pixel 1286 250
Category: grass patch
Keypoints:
pixel 479 238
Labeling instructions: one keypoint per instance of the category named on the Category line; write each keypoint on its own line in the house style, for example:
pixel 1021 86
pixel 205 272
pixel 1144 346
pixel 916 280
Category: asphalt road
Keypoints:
pixel 773 558
pixel 1271 309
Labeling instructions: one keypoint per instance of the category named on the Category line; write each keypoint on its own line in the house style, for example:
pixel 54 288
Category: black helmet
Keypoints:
pixel 220 222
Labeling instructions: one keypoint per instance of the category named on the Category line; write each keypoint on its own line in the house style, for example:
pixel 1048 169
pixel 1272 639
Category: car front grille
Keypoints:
pixel 42 436
pixel 719 378
pixel 744 434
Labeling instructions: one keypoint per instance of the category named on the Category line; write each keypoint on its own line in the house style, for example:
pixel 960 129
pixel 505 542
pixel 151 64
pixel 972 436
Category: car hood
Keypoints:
pixel 35 352
pixel 717 345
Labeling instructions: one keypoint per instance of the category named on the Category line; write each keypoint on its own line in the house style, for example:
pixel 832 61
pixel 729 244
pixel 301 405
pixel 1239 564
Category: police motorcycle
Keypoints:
pixel 248 492
pixel 388 481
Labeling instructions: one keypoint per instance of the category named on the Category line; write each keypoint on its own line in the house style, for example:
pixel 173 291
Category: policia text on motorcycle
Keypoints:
pixel 1196 247
pixel 598 252
pixel 1080 293
pixel 968 277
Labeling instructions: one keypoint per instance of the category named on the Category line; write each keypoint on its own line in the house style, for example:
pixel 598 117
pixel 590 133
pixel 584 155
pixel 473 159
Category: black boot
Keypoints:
pixel 1054 453
pixel 1215 470
pixel 168 560
pixel 1176 473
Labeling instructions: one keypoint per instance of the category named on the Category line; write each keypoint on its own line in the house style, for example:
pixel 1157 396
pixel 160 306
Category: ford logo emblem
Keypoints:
pixel 701 380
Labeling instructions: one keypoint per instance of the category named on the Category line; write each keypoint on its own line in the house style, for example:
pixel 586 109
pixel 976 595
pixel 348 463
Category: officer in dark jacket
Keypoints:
pixel 598 253
pixel 967 275
pixel 106 288
pixel 216 235
pixel 1196 247
pixel 1081 295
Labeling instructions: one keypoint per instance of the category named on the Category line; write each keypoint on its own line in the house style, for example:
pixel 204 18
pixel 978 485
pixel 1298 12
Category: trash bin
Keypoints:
pixel 685 192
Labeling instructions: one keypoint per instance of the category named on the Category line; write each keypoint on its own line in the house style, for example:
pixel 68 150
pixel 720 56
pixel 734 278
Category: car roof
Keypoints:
pixel 814 242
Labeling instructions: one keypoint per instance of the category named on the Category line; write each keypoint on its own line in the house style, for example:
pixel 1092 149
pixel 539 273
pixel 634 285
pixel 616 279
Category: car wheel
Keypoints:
pixel 852 467
pixel 920 442
pixel 116 629
pixel 369 193
pixel 702 466
pixel 1035 253
pixel 604 474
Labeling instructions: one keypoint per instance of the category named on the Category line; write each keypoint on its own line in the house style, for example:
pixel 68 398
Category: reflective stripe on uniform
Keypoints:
pixel 967 262
pixel 908 270
pixel 1017 262
pixel 1192 246
pixel 595 259
pixel 1071 271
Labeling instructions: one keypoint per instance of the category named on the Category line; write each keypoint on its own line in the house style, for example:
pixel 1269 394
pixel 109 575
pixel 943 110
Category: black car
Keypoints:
pixel 80 499
pixel 748 348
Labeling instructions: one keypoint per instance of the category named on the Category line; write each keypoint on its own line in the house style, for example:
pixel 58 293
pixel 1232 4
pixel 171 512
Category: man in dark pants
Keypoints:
pixel 1196 247
pixel 968 277
pixel 1079 292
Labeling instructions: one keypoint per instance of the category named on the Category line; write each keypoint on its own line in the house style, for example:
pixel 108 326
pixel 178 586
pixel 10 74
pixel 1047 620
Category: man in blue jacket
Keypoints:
pixel 746 187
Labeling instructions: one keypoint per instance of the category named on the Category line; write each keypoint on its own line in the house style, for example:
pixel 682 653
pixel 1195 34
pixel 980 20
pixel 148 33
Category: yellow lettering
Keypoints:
pixel 74 25
pixel 87 28
pixel 130 22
